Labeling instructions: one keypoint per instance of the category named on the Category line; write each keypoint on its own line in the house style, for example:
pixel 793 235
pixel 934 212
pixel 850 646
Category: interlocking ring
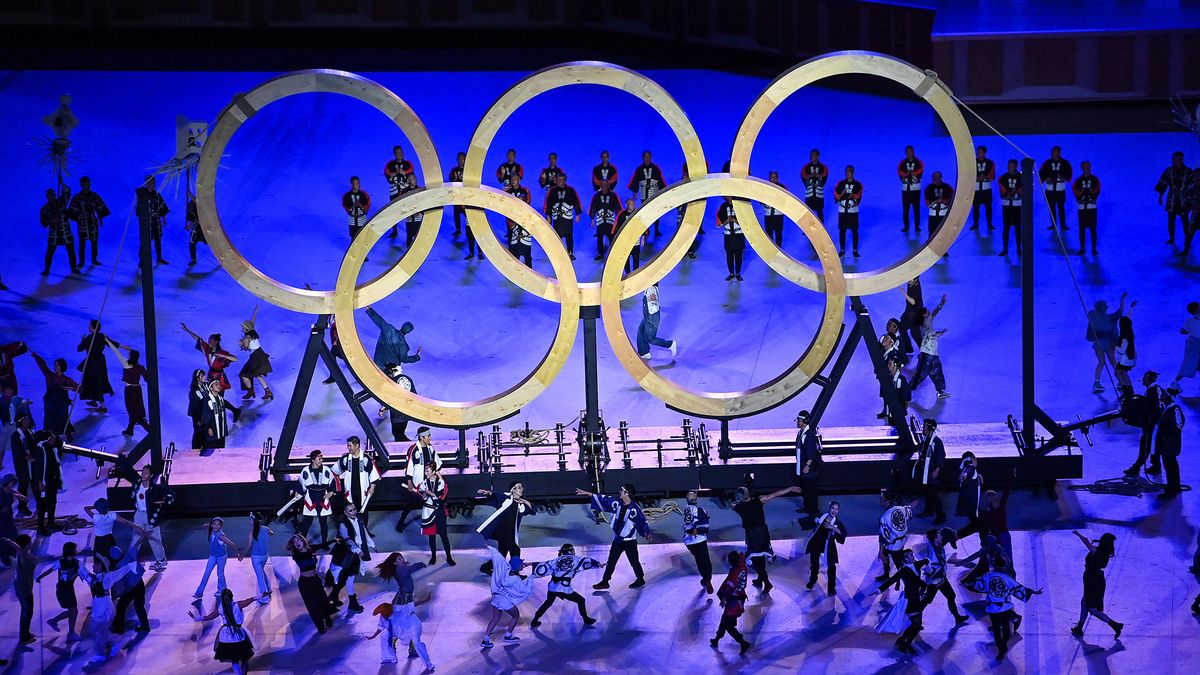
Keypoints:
pixel 245 106
pixel 564 288
pixel 859 63
pixel 565 75
pixel 764 396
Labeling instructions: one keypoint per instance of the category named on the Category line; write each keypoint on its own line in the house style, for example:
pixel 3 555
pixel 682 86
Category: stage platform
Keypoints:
pixel 857 459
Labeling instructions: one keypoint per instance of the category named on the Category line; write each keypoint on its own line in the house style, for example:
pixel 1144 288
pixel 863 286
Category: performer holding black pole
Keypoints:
pixel 358 474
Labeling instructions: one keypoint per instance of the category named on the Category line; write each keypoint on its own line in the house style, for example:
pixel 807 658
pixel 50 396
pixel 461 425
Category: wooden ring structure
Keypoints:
pixel 455 413
pixel 925 86
pixel 831 282
pixel 245 106
pixel 564 75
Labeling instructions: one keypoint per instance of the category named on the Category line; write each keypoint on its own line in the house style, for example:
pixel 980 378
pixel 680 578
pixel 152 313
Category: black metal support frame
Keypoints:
pixel 1029 408
pixel 152 441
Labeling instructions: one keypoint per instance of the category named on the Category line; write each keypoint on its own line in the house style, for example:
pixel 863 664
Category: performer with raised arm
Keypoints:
pixel 827 533
pixel 911 605
pixel 758 537
pixel 647 333
pixel 1100 551
pixel 562 571
pixel 53 216
pixel 504 525
pixel 628 523
pixel 509 589
pixel 132 375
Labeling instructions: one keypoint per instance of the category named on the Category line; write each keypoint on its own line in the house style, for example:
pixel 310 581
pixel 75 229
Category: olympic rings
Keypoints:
pixel 764 396
pixel 243 108
pixel 565 75
pixel 451 413
pixel 866 63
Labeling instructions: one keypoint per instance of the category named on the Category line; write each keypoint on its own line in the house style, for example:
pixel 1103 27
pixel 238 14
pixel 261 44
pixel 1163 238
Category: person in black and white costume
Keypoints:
pixel 970 491
pixel 985 173
pixel 150 497
pixel 504 525
pixel 827 533
pixel 562 571
pixel 212 416
pixel 1010 205
pixel 758 536
pixel 398 420
pixel 357 546
pixel 628 523
pixel 773 217
pixel 934 573
pixel 903 391
pixel 695 537
pixel 646 182
pixel 815 174
pixel 808 463
pixel 893 531
pixel 927 471
pixel 358 474
pixel 734 239
pixel 1167 442
pixel 316 488
pixel 233 644
pixel 419 454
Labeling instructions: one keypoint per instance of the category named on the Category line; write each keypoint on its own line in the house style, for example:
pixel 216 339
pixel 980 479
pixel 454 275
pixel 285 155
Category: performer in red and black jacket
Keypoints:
pixel 938 195
pixel 508 168
pixel 357 203
pixel 1172 185
pixel 520 242
pixel 549 174
pixel 635 256
pixel 1010 204
pixel 562 208
pixel 603 212
pixel 1056 176
pixel 910 171
pixel 848 193
pixel 456 176
pixel 398 171
pixel 604 172
pixel 815 174
pixel 985 172
pixel 646 182
pixel 1087 191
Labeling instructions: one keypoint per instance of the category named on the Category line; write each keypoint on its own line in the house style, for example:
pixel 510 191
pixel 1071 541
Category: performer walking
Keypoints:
pixel 127 586
pixel 562 571
pixel 102 611
pixel 197 397
pixel 358 474
pixel 1102 333
pixel 504 525
pixel 910 171
pixel 734 239
pixel 352 533
pixel 1055 174
pixel 562 209
pixel 758 537
pixel 893 530
pixel 628 522
pixel 1100 551
pixel 320 610
pixel 929 362
pixel 848 193
pixel 218 555
pixel 88 211
pixel 67 569
pixel 985 173
pixel 927 471
pixel 93 378
pixel 647 333
pixel 815 174
pixel 695 538
pixel 1191 348
pixel 53 216
pixel 1011 191
pixel 733 602
pixel 1000 588
pixel 935 571
pixel 433 489
pixel 258 364
pixel 808 463
pixel 1087 191
pixel 911 605
pixel 509 590
pixel 1172 186
pixel 213 419
pixel 233 644
pixel 132 375
pixel 603 212
pixel 104 521
pixel 357 204
pixel 152 215
pixel 827 533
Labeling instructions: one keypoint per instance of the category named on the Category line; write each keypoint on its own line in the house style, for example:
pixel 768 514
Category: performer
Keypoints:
pixel 216 425
pixel 733 602
pixel 456 176
pixel 1191 348
pixel 509 590
pixel 985 173
pixel 562 209
pixel 53 216
pixel 1000 589
pixel 132 374
pixel 808 463
pixel 102 609
pixel 357 204
pixel 94 384
pixel 970 491
pixel 1153 403
pixel 104 521
pixel 562 571
pixel 815 174
pixel 218 359
pixel 603 212
pixel 927 471
pixel 23 583
pixel 628 522
pixel 914 310
pixel 316 488
pixel 1102 333
pixel 893 530
pixel 773 217
pixel 399 174
pixel 88 211
pixel 910 171
pixel 218 555
pixel 758 537
pixel 152 214
pixel 398 623
pixel 604 173
pixel 1100 551
pixel 509 168
pixel 433 489
pixel 67 569
pixel 127 586
pixel 1126 352
pixel 259 548
pixel 21 447
pixel 197 397
pixel 679 211
pixel 150 498
pixel 912 604
pixel 1172 186
pixel 695 537
pixel 504 525
pixel 392 346
pixel 56 403
pixel 635 255
pixel 396 568
pixel 258 364
pixel 520 242
pixel 827 533
pixel 1055 174
pixel 646 182
pixel 420 455
pixel 352 533
pixel 1192 200
pixel 848 193
pixel 320 610
pixel 233 644
pixel 1087 191
pixel 412 224
pixel 1168 442
pixel 929 363
pixel 549 175
pixel 8 524
pixel 359 476
pixel 1010 205
pixel 8 353
pixel 935 576
pixel 938 196
pixel 734 239
pixel 48 479
pixel 647 333
pixel 892 354
pixel 195 230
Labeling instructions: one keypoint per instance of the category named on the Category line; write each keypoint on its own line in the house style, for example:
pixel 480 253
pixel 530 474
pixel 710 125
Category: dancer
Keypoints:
pixel 562 209
pixel 21 447
pixel 1010 205
pixel 808 463
pixel 1100 551
pixel 233 644
pixel 23 583
pixel 8 354
pixel 1102 333
pixel 396 568
pixel 88 211
pixel 259 548
pixel 628 522
pixel 258 364
pixel 520 242
pixel 352 533
pixel 910 170
pixel 420 454
pixel 357 204
pixel 216 425
pixel 218 359
pixel 67 568
pixel 359 476
pixel 508 169
pixel 48 479
pixel 53 217
pixel 734 239
pixel 433 490
pixel 758 537
pixel 152 216
pixel 893 530
pixel 509 590
pixel 848 192
pixel 396 418
pixel 1126 352
pixel 56 401
pixel 773 217
pixel 399 174
pixel 562 571
pixel 827 533
pixel 733 602
pixel 102 612
pixel 124 579
pixel 8 524
pixel 985 172
pixel 1172 185
pixel 927 471
pixel 197 397
pixel 815 175
pixel 1154 403
pixel 132 375
pixel 320 610
pixel 93 379
pixel 970 491
pixel 934 573
pixel 392 345
pixel 647 333
pixel 104 521
pixel 910 318
pixel 929 362
pixel 1087 191
pixel 195 230
pixel 695 538
pixel 150 498
pixel 218 555
pixel 1055 174
pixel 604 173
pixel 1191 347
pixel 550 174
pixel 603 212
pixel 398 623
pixel 938 195
pixel 316 487
pixel 1000 588
pixel 504 525
pixel 460 212
pixel 911 605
